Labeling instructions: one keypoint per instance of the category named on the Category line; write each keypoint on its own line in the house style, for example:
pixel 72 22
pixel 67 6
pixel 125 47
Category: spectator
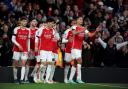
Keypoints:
pixel 6 47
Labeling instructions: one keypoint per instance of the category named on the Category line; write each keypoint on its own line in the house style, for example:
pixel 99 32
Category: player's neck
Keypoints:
pixel 32 27
pixel 47 27
pixel 22 27
pixel 78 24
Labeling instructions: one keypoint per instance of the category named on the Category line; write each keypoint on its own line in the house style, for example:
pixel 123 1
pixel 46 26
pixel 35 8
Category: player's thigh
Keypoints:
pixel 16 55
pixel 68 57
pixel 24 56
pixel 43 55
pixel 38 58
pixel 31 55
pixel 76 53
pixel 49 56
pixel 55 55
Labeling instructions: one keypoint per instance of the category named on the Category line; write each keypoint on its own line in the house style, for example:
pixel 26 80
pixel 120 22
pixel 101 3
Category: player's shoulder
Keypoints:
pixel 41 28
pixel 74 27
pixel 16 28
pixel 67 30
pixel 80 27
pixel 36 28
pixel 27 28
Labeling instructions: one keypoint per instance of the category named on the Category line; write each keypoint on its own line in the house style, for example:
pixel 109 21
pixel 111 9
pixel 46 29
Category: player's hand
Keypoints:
pixel 20 48
pixel 70 39
pixel 84 28
pixel 98 29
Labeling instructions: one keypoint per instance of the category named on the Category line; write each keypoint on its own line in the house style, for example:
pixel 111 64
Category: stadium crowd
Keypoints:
pixel 111 14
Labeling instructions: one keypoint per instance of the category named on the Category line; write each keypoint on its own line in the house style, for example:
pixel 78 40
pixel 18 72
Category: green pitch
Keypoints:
pixel 63 86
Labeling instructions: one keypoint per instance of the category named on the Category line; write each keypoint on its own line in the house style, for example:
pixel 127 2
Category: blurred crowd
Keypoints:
pixel 111 14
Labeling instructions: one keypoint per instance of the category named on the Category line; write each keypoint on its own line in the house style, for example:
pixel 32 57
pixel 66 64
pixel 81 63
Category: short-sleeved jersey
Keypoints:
pixel 68 35
pixel 45 35
pixel 78 38
pixel 32 38
pixel 22 37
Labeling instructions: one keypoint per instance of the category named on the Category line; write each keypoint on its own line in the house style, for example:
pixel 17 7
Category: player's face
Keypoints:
pixel 73 23
pixel 50 24
pixel 43 25
pixel 80 20
pixel 34 23
pixel 24 23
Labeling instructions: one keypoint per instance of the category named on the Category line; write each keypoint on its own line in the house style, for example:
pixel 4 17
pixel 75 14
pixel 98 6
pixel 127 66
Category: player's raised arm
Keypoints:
pixel 37 37
pixel 56 34
pixel 64 37
pixel 99 28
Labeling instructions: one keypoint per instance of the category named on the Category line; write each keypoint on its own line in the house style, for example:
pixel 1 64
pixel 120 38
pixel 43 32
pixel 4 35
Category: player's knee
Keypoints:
pixel 50 63
pixel 37 63
pixel 73 63
pixel 15 63
pixel 44 63
pixel 23 62
pixel 79 61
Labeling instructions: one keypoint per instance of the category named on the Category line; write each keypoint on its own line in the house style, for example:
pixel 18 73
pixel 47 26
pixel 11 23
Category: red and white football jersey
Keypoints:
pixel 22 38
pixel 69 35
pixel 78 38
pixel 45 35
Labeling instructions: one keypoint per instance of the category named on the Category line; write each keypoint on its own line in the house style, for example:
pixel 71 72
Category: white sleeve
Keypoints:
pixel 14 37
pixel 104 45
pixel 66 33
pixel 29 40
pixel 86 31
pixel 38 34
pixel 73 27
pixel 118 46
pixel 64 38
pixel 57 36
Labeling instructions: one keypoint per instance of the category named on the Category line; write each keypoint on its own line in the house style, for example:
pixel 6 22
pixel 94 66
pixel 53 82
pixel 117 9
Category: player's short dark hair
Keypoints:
pixel 50 19
pixel 23 18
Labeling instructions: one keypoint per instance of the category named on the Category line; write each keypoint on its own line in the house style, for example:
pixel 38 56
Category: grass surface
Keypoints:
pixel 63 86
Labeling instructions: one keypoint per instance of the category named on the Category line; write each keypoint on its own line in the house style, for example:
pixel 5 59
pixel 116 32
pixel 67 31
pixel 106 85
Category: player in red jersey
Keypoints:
pixel 45 35
pixel 55 40
pixel 33 28
pixel 21 42
pixel 68 39
pixel 79 34
pixel 37 72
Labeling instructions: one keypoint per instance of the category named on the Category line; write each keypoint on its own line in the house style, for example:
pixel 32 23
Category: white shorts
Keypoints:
pixel 68 57
pixel 76 53
pixel 55 56
pixel 20 55
pixel 46 56
pixel 31 55
pixel 37 58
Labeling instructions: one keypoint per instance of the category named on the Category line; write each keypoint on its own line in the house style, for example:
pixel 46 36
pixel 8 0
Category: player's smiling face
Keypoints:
pixel 34 23
pixel 50 24
pixel 24 23
pixel 80 20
